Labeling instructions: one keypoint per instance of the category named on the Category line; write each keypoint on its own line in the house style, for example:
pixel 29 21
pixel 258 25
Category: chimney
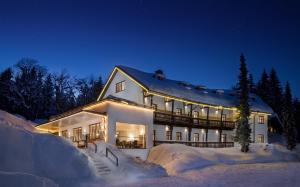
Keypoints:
pixel 159 74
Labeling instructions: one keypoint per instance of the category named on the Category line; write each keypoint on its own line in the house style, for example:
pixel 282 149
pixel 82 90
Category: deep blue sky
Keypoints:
pixel 196 41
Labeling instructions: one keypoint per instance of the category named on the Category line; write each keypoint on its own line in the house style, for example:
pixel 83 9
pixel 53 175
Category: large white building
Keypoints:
pixel 137 110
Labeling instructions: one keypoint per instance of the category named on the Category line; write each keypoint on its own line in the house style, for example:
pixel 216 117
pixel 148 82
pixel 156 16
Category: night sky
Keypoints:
pixel 196 41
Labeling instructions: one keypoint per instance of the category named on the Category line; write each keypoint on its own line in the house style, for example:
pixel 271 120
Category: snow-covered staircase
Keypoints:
pixel 101 167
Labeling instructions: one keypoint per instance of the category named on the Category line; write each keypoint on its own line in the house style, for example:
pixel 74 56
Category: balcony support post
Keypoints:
pixel 192 121
pixel 207 123
pixel 220 134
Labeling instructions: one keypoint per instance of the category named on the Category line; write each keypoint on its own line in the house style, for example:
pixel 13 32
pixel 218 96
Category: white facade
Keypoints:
pixel 125 113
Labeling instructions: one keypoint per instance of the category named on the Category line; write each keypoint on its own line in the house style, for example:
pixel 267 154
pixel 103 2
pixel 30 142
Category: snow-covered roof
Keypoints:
pixel 216 97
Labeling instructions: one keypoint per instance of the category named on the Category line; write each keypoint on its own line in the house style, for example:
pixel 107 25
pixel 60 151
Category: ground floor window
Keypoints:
pixel 96 131
pixel 64 133
pixel 196 137
pixel 223 138
pixel 77 134
pixel 178 136
pixel 261 138
pixel 130 136
pixel 168 135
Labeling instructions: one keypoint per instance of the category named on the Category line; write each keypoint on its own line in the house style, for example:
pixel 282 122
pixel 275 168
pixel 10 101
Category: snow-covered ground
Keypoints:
pixel 31 158
pixel 177 158
pixel 37 158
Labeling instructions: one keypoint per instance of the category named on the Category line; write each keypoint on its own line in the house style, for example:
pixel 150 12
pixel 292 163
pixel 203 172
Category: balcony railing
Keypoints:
pixel 198 144
pixel 181 120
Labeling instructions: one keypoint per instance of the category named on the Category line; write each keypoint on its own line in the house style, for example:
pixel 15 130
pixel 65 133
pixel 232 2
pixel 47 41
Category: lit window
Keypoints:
pixel 168 135
pixel 120 86
pixel 130 136
pixel 77 133
pixel 178 111
pixel 196 137
pixel 196 114
pixel 261 138
pixel 64 133
pixel 261 120
pixel 178 136
pixel 224 117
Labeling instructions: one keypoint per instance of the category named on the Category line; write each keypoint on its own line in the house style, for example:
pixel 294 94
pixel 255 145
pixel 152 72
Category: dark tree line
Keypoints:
pixel 286 109
pixel 28 89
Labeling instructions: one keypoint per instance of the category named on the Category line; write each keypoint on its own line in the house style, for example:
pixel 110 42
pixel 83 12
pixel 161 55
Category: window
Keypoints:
pixel 178 111
pixel 223 138
pixel 196 137
pixel 77 134
pixel 261 119
pixel 96 132
pixel 168 135
pixel 196 114
pixel 261 138
pixel 130 136
pixel 223 117
pixel 64 133
pixel 178 136
pixel 120 86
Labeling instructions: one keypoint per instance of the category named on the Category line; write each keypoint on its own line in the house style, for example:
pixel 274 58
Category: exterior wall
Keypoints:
pixel 83 124
pixel 131 115
pixel 132 91
pixel 160 131
pixel 257 129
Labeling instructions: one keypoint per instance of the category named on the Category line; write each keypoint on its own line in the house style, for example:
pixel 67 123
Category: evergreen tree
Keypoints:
pixel 297 117
pixel 251 84
pixel 243 129
pixel 84 89
pixel 275 97
pixel 263 89
pixel 288 118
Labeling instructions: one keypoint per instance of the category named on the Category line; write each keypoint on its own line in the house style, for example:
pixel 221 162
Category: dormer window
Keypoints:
pixel 120 86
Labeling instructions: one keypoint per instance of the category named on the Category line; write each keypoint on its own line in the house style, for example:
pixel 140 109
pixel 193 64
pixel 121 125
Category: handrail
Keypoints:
pixel 197 144
pixel 109 151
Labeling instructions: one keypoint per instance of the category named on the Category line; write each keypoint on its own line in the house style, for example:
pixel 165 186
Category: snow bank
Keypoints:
pixel 24 150
pixel 176 158
pixel 23 179
pixel 130 169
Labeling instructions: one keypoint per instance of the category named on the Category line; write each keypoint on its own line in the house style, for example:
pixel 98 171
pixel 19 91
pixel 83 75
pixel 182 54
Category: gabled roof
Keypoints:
pixel 168 87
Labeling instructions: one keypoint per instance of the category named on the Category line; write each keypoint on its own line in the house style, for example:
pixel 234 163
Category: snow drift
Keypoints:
pixel 27 152
pixel 176 158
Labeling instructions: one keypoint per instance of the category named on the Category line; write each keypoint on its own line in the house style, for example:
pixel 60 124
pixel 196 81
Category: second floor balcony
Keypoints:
pixel 167 118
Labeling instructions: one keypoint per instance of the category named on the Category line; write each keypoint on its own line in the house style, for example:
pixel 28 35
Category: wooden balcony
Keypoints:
pixel 166 118
pixel 197 144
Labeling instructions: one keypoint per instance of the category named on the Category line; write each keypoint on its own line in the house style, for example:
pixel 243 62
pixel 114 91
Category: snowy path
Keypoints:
pixel 244 175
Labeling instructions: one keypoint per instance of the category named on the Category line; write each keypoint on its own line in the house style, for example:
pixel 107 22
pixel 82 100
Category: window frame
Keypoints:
pixel 168 135
pixel 64 133
pixel 197 137
pixel 261 138
pixel 180 136
pixel 120 86
pixel 77 136
pixel 261 119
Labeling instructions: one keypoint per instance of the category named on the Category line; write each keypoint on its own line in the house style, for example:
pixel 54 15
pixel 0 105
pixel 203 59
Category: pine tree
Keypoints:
pixel 297 117
pixel 275 97
pixel 288 118
pixel 251 84
pixel 263 88
pixel 243 129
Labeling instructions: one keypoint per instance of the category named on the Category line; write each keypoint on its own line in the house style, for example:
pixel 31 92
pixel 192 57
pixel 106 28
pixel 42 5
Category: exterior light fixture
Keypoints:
pixel 217 132
pixel 167 128
pixel 202 131
pixel 185 130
